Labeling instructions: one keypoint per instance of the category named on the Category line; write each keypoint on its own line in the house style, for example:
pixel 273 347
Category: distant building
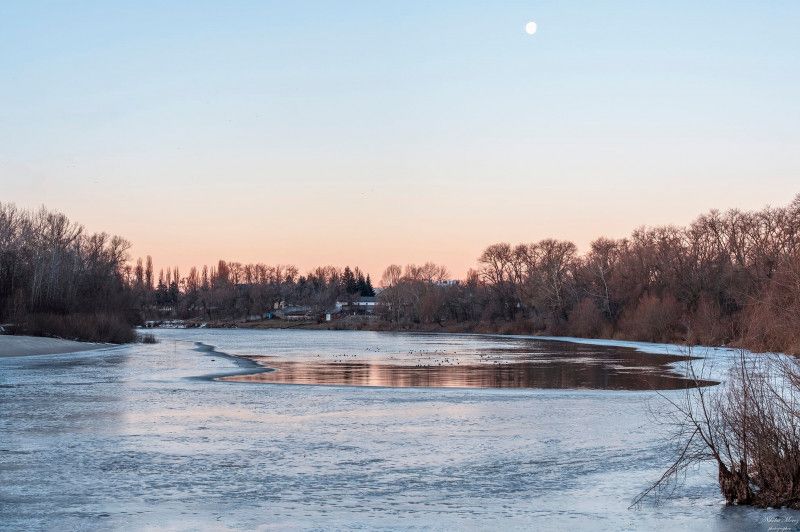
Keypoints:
pixel 294 313
pixel 361 305
pixel 266 315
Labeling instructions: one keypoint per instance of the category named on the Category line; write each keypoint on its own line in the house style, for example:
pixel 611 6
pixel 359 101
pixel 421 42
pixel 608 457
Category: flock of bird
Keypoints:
pixel 422 358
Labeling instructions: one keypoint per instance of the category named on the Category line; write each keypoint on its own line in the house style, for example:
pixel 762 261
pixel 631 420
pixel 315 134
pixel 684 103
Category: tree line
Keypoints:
pixel 727 278
pixel 58 279
pixel 231 290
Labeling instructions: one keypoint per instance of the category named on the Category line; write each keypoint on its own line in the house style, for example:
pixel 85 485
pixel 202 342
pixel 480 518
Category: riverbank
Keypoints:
pixel 365 323
pixel 358 323
pixel 18 346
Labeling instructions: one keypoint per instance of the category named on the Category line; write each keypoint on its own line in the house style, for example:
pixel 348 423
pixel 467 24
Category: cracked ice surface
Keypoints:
pixel 129 438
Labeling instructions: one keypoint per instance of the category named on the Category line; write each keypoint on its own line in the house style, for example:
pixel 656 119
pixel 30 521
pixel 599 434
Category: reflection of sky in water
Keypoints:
pixel 129 439
pixel 450 361
pixel 555 374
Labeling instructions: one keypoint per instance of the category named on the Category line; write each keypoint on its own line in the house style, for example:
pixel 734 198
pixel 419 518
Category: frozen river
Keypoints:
pixel 140 437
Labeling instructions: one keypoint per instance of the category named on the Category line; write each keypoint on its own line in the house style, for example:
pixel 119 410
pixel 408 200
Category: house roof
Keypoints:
pixel 295 309
pixel 356 299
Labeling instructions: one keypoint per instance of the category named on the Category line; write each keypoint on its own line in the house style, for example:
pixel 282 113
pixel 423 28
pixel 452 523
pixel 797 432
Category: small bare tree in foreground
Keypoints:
pixel 749 426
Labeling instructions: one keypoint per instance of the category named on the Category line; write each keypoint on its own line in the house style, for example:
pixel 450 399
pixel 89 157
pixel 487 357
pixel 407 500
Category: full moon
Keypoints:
pixel 530 28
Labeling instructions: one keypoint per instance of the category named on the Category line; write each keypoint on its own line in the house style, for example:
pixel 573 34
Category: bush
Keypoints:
pixel 586 320
pixel 653 320
pixel 773 321
pixel 707 325
pixel 109 328
pixel 748 426
pixel 146 338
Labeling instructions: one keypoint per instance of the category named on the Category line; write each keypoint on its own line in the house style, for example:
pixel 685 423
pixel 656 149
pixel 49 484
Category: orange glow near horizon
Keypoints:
pixel 268 133
pixel 450 231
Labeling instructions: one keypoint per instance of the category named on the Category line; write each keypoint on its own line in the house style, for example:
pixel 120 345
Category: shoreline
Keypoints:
pixel 22 346
pixel 674 347
pixel 717 357
pixel 273 369
pixel 246 365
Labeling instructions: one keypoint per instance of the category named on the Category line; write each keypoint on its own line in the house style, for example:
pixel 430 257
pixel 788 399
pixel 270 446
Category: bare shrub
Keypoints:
pixel 749 426
pixel 586 320
pixel 653 319
pixel 110 328
pixel 707 325
pixel 146 338
pixel 773 323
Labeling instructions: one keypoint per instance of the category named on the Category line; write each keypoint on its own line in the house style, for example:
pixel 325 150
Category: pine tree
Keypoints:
pixel 368 290
pixel 162 291
pixel 173 292
pixel 349 281
pixel 361 283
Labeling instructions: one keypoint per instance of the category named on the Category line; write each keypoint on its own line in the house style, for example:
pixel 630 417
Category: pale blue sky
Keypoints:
pixel 251 130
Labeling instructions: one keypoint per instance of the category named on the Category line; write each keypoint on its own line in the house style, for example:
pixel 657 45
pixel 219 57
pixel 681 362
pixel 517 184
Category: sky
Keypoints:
pixel 372 133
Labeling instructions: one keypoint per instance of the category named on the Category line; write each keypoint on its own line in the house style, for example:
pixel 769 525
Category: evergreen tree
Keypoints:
pixel 361 283
pixel 162 292
pixel 368 290
pixel 173 293
pixel 349 281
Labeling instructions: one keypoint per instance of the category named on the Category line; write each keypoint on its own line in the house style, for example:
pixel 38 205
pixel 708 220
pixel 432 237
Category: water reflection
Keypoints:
pixel 564 366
